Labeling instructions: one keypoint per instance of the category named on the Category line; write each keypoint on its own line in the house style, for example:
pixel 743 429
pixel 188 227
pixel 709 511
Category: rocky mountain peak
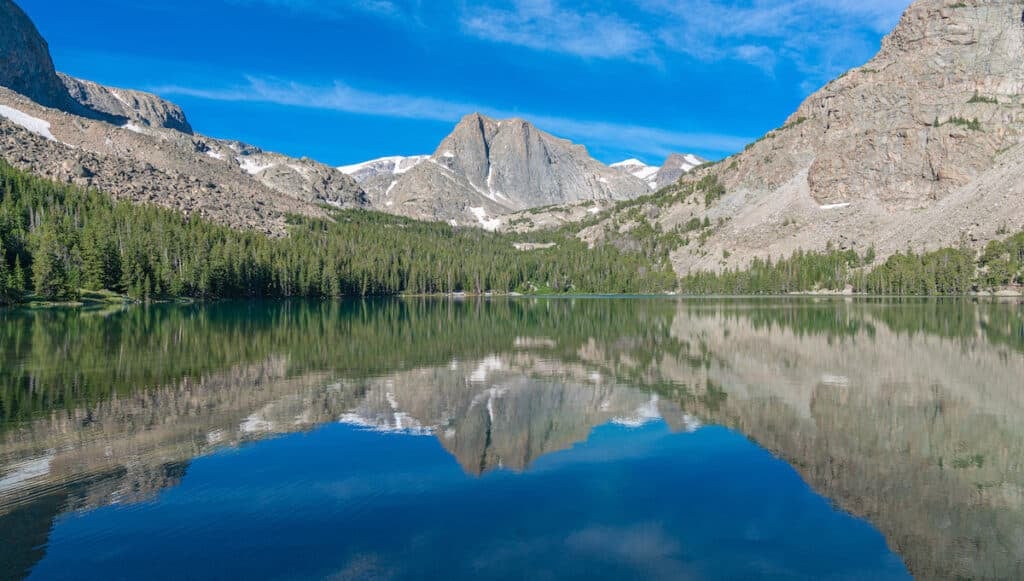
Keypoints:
pixel 26 66
pixel 675 166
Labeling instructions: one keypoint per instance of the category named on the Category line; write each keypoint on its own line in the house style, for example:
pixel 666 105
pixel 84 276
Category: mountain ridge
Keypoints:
pixel 138 146
pixel 920 148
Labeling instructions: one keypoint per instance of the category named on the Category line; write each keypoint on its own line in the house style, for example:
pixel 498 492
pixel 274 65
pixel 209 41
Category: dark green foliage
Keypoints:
pixel 944 272
pixel 972 124
pixel 949 271
pixel 68 239
pixel 712 188
pixel 804 271
pixel 1003 262
pixel 978 98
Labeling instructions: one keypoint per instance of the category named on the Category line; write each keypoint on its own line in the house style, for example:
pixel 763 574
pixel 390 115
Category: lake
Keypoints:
pixel 561 438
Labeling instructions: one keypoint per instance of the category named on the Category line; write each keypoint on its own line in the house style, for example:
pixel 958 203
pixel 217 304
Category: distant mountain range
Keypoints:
pixel 487 167
pixel 138 146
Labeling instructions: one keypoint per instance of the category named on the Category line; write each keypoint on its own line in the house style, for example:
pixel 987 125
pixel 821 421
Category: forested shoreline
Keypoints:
pixel 58 242
pixel 943 272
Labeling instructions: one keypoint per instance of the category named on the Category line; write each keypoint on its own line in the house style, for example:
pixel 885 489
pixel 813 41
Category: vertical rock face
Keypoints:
pixel 514 160
pixel 487 167
pixel 26 66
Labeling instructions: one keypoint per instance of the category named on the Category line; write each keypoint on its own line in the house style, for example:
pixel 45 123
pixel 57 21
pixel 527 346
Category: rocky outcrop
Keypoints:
pixel 26 66
pixel 144 109
pixel 487 167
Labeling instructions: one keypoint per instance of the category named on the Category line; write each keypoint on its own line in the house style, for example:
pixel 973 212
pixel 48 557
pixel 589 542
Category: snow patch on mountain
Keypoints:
pixel 393 164
pixel 640 170
pixel 26 121
pixel 491 224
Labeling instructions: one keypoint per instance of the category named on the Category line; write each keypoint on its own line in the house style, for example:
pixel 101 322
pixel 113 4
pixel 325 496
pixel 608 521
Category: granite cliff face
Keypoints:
pixel 486 168
pixel 26 66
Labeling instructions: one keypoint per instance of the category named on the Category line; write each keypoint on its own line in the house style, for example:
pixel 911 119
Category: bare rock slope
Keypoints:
pixel 921 147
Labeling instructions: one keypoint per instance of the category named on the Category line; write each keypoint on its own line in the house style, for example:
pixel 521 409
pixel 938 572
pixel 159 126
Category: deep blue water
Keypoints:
pixel 347 503
pixel 528 438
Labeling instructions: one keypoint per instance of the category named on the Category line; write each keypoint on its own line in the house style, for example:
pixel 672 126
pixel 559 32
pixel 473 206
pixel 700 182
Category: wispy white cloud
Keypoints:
pixel 820 37
pixel 548 26
pixel 654 142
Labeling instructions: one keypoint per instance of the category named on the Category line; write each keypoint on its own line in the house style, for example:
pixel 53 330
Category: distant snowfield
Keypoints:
pixel 398 164
pixel 690 161
pixel 26 121
pixel 640 170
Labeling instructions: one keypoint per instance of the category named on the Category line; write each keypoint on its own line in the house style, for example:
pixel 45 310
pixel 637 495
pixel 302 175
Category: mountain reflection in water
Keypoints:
pixel 906 414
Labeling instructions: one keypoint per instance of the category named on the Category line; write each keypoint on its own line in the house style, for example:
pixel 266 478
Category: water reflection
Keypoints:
pixel 907 414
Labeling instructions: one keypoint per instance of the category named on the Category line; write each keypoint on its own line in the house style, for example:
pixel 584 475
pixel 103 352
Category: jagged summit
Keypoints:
pixel 488 167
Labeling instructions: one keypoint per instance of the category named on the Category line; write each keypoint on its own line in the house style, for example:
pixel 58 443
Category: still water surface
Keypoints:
pixel 514 439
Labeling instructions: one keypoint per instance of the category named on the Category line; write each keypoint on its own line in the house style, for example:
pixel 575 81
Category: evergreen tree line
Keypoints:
pixel 56 241
pixel 948 271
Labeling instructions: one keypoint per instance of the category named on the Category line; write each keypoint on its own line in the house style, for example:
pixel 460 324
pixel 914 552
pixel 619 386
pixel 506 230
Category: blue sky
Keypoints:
pixel 342 81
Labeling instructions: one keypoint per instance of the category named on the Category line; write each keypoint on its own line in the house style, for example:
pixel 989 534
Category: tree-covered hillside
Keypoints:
pixel 56 241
